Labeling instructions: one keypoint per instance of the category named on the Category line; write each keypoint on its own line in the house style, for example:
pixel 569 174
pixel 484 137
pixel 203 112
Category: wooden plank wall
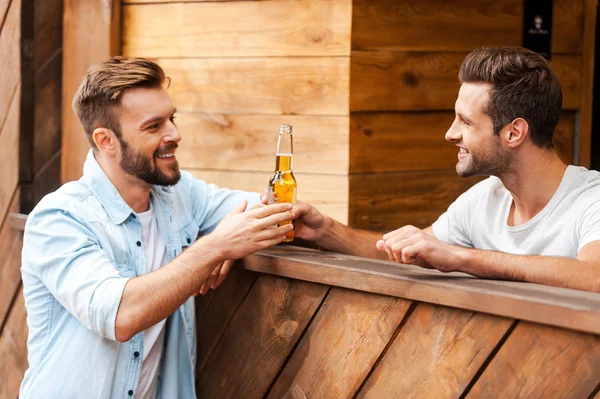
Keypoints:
pixel 13 330
pixel 403 84
pixel 241 68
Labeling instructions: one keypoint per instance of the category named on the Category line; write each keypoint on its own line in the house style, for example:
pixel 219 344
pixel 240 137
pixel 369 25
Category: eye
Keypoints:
pixel 153 126
pixel 172 119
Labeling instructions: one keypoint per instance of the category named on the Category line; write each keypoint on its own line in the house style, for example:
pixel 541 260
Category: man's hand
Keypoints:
pixel 243 233
pixel 217 277
pixel 414 246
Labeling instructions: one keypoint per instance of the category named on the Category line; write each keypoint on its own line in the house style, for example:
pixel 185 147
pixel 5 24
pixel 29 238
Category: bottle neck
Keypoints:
pixel 285 151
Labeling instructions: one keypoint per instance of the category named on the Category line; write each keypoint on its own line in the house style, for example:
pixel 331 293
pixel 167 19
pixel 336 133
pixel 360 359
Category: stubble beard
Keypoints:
pixel 141 166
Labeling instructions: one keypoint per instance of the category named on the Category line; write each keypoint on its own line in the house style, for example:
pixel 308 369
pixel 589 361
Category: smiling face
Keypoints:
pixel 149 137
pixel 480 151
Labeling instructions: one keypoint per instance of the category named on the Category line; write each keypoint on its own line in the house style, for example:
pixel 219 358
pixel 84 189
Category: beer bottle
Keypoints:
pixel 282 185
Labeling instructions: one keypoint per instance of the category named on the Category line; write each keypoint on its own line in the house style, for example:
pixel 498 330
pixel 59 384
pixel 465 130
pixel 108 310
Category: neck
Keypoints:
pixel 532 180
pixel 135 192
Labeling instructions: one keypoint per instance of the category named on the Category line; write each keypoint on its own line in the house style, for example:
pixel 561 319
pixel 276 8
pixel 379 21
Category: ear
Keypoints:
pixel 515 133
pixel 105 140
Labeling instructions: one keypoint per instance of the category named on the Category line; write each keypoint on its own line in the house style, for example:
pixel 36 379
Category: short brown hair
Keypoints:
pixel 523 86
pixel 99 95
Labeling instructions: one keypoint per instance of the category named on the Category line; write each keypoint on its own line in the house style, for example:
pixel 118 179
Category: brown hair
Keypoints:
pixel 97 99
pixel 523 86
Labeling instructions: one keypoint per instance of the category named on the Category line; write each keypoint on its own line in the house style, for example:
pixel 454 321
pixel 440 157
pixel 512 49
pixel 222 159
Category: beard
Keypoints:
pixel 493 160
pixel 141 166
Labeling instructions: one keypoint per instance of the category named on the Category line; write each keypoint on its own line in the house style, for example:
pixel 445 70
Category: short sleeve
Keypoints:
pixel 589 225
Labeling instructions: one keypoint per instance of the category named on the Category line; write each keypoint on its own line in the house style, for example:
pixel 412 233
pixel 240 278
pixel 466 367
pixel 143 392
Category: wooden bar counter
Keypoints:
pixel 301 323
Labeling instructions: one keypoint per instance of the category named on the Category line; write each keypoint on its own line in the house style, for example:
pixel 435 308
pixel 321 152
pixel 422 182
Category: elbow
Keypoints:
pixel 124 330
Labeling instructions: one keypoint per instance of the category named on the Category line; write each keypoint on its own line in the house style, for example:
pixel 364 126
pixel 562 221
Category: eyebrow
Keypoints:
pixel 155 119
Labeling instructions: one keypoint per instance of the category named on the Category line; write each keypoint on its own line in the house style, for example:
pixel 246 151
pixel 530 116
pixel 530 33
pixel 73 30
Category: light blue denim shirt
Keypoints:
pixel 82 244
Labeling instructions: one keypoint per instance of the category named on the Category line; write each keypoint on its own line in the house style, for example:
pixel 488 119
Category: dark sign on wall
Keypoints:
pixel 537 26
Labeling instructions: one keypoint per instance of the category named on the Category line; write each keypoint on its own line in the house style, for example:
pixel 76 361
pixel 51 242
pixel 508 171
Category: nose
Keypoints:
pixel 172 133
pixel 454 133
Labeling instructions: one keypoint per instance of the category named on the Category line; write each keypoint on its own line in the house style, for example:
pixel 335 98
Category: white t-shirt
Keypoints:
pixel 478 218
pixel 155 251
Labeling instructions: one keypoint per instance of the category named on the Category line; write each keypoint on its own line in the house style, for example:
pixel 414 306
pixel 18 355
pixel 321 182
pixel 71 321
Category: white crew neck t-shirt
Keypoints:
pixel 155 251
pixel 570 220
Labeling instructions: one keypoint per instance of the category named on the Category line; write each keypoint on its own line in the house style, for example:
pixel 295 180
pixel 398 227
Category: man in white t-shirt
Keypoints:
pixel 535 219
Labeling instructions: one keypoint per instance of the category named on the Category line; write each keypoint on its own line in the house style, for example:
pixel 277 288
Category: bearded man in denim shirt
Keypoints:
pixel 108 288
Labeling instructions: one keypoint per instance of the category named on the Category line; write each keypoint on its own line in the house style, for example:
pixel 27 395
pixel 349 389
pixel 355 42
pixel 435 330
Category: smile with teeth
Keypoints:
pixel 462 150
pixel 167 156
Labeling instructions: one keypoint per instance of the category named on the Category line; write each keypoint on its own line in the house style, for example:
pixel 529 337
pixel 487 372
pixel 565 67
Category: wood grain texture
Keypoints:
pixel 544 362
pixel 10 61
pixel 572 309
pixel 249 142
pixel 387 201
pixel 304 86
pixel 13 349
pixel 91 34
pixel 238 29
pixel 48 30
pixel 437 354
pixel 415 81
pixel 587 84
pixel 215 310
pixel 328 193
pixel 9 154
pixel 47 179
pixel 260 337
pixel 341 345
pixel 47 126
pixel 399 141
pixel 10 248
pixel 457 25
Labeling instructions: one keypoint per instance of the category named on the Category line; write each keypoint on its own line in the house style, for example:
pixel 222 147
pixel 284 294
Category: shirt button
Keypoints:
pixel 136 354
pixel 188 241
pixel 130 392
pixel 139 244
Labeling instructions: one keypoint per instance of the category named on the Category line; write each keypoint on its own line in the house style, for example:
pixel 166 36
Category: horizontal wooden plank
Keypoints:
pixel 249 142
pixel 13 349
pixel 399 141
pixel 238 29
pixel 554 363
pixel 48 23
pixel 10 62
pixel 9 154
pixel 47 124
pixel 10 263
pixel 457 25
pixel 572 309
pixel 387 201
pixel 304 86
pixel 437 353
pixel 262 334
pixel 414 81
pixel 341 345
pixel 328 193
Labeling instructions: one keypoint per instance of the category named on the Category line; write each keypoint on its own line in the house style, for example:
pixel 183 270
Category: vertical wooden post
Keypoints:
pixel 92 33
pixel 587 83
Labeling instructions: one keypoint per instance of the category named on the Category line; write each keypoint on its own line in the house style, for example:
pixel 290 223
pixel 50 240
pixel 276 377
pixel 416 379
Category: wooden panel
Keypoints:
pixel 13 349
pixel 384 202
pixel 260 337
pixel 328 193
pixel 587 78
pixel 47 128
pixel 237 29
pixel 90 35
pixel 391 142
pixel 540 361
pixel 10 248
pixel 10 62
pixel 577 310
pixel 341 345
pixel 313 85
pixel 406 81
pixel 215 310
pixel 249 142
pixel 48 30
pixel 47 179
pixel 437 354
pixel 457 25
pixel 9 154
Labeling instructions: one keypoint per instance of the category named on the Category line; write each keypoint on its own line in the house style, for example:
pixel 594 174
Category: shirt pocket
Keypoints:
pixel 188 235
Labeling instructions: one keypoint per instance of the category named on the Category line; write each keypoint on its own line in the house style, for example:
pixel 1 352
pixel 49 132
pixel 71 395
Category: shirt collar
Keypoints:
pixel 106 192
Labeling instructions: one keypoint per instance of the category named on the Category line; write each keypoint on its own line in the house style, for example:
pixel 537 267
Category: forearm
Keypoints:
pixel 343 239
pixel 152 297
pixel 546 270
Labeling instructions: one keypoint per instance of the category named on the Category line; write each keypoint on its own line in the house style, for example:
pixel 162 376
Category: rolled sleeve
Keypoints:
pixel 66 256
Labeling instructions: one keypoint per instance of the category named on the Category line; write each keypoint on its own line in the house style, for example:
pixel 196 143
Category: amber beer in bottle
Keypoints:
pixel 282 186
